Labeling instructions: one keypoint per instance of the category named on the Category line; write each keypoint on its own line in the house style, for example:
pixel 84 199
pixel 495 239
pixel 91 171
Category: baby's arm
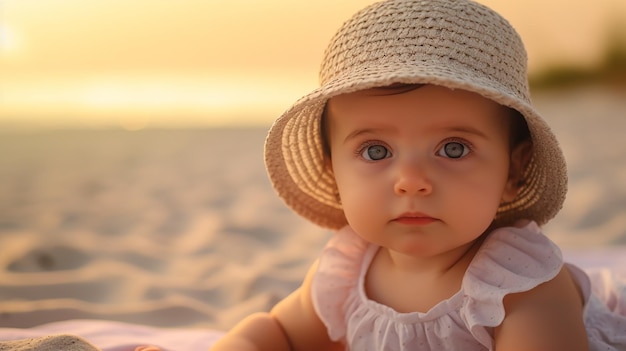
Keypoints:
pixel 548 317
pixel 257 332
pixel 291 325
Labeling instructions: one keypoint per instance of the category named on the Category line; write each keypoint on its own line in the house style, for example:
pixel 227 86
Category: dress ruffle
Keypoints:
pixel 337 274
pixel 605 309
pixel 510 260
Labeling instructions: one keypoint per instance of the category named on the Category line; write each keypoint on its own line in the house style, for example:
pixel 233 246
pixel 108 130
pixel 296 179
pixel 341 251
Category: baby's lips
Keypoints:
pixel 147 348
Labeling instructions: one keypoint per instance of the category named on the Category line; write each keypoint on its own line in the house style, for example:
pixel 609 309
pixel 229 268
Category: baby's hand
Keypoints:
pixel 147 348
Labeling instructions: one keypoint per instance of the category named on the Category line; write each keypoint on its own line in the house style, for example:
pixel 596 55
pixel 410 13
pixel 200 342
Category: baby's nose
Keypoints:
pixel 413 179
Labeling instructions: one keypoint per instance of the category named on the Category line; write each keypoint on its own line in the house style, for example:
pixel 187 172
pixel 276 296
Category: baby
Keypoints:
pixel 423 151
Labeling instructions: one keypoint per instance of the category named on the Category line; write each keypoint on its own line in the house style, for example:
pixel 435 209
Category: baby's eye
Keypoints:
pixel 375 153
pixel 453 149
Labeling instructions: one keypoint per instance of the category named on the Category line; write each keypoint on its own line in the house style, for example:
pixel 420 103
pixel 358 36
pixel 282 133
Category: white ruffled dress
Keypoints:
pixel 511 260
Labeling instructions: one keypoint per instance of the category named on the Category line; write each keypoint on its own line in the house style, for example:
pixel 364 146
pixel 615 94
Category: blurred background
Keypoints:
pixel 197 63
pixel 132 184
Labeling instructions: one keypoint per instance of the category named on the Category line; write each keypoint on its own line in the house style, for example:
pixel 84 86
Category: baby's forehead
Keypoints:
pixel 416 106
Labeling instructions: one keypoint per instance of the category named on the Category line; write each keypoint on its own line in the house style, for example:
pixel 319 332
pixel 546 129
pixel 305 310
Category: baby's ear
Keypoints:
pixel 520 157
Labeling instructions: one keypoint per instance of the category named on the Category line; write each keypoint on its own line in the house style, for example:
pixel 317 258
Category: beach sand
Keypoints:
pixel 180 228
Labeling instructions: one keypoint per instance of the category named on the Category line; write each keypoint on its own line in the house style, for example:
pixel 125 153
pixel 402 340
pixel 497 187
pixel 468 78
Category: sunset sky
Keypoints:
pixel 162 63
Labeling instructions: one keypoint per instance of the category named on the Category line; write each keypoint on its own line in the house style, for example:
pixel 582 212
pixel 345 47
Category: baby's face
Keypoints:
pixel 419 171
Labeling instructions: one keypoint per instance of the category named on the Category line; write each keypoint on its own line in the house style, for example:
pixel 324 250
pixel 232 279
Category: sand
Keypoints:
pixel 181 229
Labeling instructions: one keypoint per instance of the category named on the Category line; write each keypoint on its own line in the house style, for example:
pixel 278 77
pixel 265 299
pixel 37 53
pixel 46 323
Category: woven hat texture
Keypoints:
pixel 456 44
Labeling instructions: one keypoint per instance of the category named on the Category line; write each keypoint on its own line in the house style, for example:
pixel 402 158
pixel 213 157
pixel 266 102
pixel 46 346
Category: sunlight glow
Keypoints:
pixel 10 42
pixel 135 102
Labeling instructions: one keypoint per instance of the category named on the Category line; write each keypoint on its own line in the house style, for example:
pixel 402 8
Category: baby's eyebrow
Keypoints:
pixel 361 131
pixel 466 130
pixel 462 129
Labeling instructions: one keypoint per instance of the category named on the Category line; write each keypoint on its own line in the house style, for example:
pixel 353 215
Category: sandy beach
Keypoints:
pixel 180 228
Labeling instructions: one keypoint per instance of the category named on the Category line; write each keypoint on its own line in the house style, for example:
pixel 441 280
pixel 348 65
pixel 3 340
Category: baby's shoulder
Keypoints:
pixel 550 315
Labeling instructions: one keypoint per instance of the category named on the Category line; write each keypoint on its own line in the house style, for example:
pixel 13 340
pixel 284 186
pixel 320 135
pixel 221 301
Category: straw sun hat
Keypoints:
pixel 458 44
